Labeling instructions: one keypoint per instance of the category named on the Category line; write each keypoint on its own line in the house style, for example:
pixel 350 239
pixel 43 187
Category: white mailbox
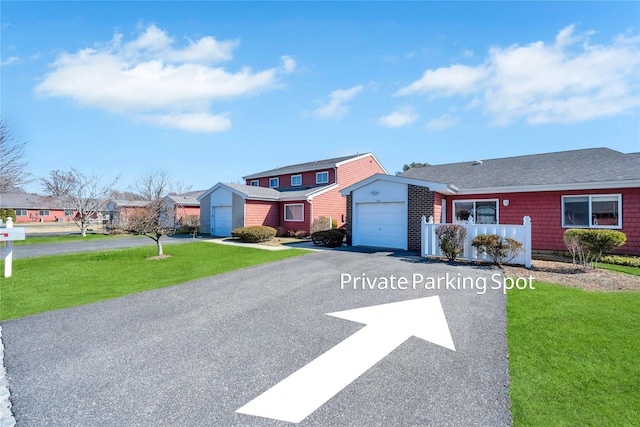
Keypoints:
pixel 8 234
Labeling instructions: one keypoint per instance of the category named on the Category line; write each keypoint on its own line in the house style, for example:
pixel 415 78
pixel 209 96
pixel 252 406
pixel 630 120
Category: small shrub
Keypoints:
pixel 629 261
pixel 8 213
pixel 500 249
pixel 320 224
pixel 587 246
pixel 329 238
pixel 298 234
pixel 254 234
pixel 452 238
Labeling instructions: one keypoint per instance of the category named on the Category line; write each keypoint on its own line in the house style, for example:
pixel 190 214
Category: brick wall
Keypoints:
pixel 349 220
pixel 421 201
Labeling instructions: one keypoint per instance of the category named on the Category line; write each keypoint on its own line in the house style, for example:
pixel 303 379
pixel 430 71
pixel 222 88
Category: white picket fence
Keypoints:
pixel 521 233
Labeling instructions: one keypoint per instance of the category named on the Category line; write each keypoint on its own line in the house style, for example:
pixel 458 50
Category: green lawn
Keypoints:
pixel 574 357
pixel 60 281
pixel 36 240
pixel 621 268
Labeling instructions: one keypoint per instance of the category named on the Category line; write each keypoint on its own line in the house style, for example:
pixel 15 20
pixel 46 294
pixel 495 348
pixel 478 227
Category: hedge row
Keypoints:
pixel 254 234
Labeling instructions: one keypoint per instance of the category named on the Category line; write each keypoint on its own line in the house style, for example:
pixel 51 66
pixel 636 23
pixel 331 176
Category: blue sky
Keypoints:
pixel 213 91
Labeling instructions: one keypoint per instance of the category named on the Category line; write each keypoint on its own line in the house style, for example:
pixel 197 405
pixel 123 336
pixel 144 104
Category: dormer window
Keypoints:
pixel 322 177
pixel 255 183
pixel 296 180
pixel 274 182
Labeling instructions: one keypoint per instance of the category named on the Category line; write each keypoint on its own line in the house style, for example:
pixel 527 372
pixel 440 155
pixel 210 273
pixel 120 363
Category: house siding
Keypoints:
pixel 33 216
pixel 258 212
pixel 205 215
pixel 545 210
pixel 296 225
pixel 308 179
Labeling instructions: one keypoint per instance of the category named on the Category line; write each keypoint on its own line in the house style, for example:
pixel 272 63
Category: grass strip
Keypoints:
pixel 573 357
pixel 38 240
pixel 621 268
pixel 60 281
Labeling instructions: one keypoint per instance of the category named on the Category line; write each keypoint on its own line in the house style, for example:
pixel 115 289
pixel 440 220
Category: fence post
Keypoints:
pixel 423 237
pixel 469 249
pixel 527 240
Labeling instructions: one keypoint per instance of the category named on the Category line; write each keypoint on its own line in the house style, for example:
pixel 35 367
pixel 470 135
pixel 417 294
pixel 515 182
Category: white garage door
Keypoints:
pixel 221 221
pixel 381 224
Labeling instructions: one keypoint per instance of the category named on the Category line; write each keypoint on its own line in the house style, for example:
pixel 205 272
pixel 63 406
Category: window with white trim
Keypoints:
pixel 296 180
pixel 43 213
pixel 322 177
pixel 482 211
pixel 274 182
pixel 294 212
pixel 592 211
pixel 21 212
pixel 255 183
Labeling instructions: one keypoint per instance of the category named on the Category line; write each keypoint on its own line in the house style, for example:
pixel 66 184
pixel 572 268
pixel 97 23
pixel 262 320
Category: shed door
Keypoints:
pixel 381 224
pixel 221 221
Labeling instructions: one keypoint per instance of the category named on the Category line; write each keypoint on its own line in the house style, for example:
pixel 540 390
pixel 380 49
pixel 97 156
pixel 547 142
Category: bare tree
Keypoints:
pixel 12 161
pixel 153 185
pixel 59 183
pixel 83 194
pixel 179 187
pixel 124 195
pixel 156 219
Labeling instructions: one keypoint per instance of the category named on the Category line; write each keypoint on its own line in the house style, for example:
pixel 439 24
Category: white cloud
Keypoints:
pixel 443 122
pixel 11 60
pixel 193 122
pixel 446 81
pixel 336 108
pixel 148 74
pixel 401 117
pixel 567 81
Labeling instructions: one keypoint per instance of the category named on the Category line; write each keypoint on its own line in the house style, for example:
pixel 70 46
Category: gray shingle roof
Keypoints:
pixel 301 167
pixel 189 199
pixel 566 167
pixel 31 201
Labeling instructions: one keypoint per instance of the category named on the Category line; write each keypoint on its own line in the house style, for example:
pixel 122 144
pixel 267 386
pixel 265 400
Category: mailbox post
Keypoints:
pixel 8 234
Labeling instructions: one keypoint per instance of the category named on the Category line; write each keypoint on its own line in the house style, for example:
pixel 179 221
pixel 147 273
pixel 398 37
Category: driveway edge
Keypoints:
pixel 6 416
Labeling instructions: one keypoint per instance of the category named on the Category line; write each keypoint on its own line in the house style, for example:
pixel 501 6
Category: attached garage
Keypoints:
pixel 382 224
pixel 385 211
pixel 221 220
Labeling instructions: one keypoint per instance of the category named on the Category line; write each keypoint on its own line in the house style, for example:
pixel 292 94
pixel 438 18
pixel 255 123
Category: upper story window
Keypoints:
pixel 296 180
pixel 599 211
pixel 322 177
pixel 482 211
pixel 255 183
pixel 274 182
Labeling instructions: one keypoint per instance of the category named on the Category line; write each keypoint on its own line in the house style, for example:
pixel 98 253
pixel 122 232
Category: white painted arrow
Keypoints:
pixel 388 326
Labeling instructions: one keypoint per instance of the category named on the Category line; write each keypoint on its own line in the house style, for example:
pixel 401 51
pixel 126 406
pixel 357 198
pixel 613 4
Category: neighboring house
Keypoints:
pixel 289 198
pixel 35 208
pixel 120 210
pixel 593 188
pixel 184 204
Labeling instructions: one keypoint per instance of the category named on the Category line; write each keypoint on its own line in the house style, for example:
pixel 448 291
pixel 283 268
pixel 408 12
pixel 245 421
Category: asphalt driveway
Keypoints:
pixel 195 353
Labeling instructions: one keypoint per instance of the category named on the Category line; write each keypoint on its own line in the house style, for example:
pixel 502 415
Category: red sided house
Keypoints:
pixel 590 188
pixel 184 204
pixel 289 198
pixel 35 208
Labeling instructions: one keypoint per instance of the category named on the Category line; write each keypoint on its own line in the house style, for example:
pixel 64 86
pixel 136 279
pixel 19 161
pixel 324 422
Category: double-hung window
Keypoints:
pixel 482 211
pixel 294 212
pixel 296 180
pixel 43 212
pixel 21 212
pixel 596 211
pixel 274 182
pixel 255 183
pixel 322 177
